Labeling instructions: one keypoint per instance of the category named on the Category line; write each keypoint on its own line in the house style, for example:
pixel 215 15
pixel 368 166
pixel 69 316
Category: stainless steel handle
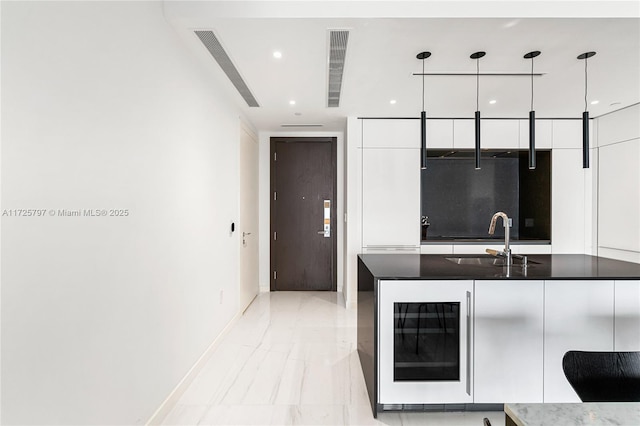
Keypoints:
pixel 468 343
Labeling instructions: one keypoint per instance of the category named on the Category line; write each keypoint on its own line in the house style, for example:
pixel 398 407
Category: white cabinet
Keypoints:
pixel 464 134
pixel 439 134
pixel 544 134
pixel 578 316
pixel 390 197
pixel 569 201
pixel 627 316
pixel 619 203
pixel 568 134
pixel 405 133
pixel 508 353
pixel 494 134
pixel 392 133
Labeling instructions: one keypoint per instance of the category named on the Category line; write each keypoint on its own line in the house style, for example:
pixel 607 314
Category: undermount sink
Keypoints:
pixel 476 260
pixel 494 261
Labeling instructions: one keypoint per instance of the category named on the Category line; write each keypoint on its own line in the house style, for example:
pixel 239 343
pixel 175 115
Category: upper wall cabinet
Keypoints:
pixel 439 134
pixel 544 134
pixel 391 133
pixel 568 134
pixel 494 134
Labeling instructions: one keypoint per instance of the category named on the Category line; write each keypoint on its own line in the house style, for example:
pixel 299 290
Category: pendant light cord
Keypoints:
pixel 477 83
pixel 585 83
pixel 423 83
pixel 531 83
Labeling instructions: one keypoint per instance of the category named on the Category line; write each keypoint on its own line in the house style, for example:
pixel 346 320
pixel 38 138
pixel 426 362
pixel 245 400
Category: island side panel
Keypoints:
pixel 367 339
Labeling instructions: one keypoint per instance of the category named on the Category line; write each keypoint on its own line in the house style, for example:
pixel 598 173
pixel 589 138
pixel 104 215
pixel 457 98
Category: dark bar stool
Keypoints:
pixel 603 376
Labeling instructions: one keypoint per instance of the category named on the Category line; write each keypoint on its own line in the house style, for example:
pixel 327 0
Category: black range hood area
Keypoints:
pixel 458 201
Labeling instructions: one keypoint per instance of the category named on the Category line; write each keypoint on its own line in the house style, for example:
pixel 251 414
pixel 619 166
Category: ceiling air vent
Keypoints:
pixel 337 54
pixel 214 47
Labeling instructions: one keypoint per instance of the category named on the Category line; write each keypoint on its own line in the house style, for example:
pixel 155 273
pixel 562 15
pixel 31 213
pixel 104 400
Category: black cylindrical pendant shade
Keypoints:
pixel 477 140
pixel 423 140
pixel 532 139
pixel 585 140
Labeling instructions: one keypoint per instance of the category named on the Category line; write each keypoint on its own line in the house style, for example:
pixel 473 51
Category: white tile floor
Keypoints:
pixel 291 359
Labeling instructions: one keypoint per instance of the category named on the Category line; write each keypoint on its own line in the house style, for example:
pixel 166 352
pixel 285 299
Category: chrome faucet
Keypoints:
pixel 506 253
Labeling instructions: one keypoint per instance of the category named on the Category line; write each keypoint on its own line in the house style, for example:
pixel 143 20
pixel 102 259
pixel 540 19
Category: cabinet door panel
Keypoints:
pixel 391 197
pixel 439 134
pixel 578 316
pixel 508 351
pixel 494 134
pixel 463 134
pixel 568 200
pixel 627 316
pixel 500 134
pixel 544 134
pixel 568 134
pixel 400 133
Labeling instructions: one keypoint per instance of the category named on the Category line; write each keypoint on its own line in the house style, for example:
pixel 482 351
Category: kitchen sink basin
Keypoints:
pixel 491 261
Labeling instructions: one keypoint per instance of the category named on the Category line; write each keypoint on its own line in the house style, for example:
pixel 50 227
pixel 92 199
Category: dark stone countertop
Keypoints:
pixel 547 267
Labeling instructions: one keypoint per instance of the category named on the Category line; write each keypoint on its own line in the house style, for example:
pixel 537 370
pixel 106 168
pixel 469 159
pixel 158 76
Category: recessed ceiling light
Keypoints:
pixel 392 101
pixel 492 101
pixel 292 102
pixel 595 102
pixel 277 54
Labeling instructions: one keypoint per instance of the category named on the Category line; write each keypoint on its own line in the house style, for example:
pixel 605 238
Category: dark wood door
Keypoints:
pixel 303 179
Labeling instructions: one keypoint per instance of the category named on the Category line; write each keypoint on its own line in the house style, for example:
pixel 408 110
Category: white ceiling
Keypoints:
pixel 381 58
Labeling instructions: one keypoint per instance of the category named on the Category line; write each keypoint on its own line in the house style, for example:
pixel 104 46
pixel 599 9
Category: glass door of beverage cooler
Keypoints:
pixel 425 340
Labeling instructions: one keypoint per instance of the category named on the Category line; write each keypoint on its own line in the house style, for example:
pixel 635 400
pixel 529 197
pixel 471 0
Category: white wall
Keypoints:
pixel 103 107
pixel 265 201
pixel 619 184
pixel 353 187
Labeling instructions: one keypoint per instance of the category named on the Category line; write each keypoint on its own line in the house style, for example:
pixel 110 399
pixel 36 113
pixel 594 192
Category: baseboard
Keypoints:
pixel 170 402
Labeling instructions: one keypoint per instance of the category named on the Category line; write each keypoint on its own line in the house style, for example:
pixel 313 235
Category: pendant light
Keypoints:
pixel 423 118
pixel 532 117
pixel 477 57
pixel 585 114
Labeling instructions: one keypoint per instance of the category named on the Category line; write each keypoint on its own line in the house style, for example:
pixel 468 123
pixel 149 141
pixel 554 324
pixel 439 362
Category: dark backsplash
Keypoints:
pixel 460 201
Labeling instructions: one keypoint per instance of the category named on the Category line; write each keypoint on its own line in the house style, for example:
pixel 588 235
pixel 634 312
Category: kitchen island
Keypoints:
pixel 433 330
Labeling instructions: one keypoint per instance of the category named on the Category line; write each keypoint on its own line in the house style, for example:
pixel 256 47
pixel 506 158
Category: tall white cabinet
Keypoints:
pixel 391 185
pixel 391 198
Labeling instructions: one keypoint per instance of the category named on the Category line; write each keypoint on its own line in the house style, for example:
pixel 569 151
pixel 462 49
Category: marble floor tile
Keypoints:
pixel 291 359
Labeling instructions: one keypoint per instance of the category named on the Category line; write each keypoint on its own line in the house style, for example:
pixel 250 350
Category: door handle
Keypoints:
pixel 326 223
pixel 468 343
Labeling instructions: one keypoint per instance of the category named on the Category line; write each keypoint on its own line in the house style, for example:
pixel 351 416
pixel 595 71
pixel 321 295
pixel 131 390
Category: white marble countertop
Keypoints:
pixel 591 413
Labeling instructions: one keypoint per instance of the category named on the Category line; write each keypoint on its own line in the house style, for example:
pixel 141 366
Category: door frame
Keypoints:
pixel 272 209
pixel 243 303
